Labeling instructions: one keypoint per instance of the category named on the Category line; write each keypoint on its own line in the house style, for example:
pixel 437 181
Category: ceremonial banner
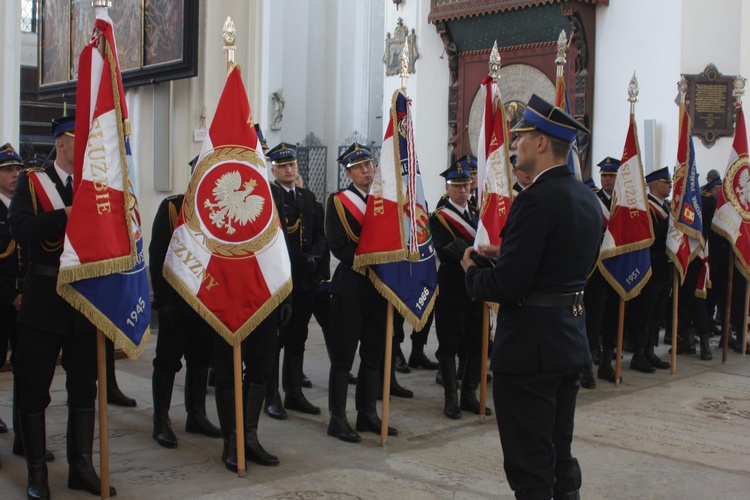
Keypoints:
pixel 228 257
pixel 685 237
pixel 732 216
pixel 625 257
pixel 494 173
pixel 395 240
pixel 561 101
pixel 102 271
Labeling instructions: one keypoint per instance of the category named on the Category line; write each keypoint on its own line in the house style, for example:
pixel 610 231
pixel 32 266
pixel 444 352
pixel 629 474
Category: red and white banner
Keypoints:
pixel 494 177
pixel 732 216
pixel 228 257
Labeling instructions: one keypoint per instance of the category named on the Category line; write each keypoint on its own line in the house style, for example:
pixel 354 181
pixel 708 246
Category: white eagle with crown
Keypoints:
pixel 234 202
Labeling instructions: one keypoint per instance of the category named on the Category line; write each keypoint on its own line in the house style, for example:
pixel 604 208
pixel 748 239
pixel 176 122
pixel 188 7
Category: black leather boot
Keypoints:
pixel 652 358
pixel 273 406
pixel 396 389
pixel 705 347
pixel 338 426
pixel 448 366
pixel 568 495
pixel 34 436
pixel 639 362
pixel 418 359
pixel 225 411
pixel 399 361
pixel 294 399
pixel 253 449
pixel 17 439
pixel 196 386
pixel 161 388
pixel 114 394
pixel 587 377
pixel 469 386
pixel 80 441
pixel 605 371
pixel 366 399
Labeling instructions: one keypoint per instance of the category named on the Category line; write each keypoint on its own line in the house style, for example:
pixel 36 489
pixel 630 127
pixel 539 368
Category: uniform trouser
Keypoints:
pixel 647 309
pixel 417 337
pixel 35 366
pixel 692 310
pixel 535 415
pixel 602 310
pixel 182 333
pixel 258 354
pixel 458 326
pixel 356 321
pixel 294 335
pixel 7 333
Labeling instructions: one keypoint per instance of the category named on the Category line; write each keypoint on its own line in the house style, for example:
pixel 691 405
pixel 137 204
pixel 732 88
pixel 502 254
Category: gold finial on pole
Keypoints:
pixel 230 37
pixel 633 93
pixel 562 49
pixel 494 62
pixel 738 90
pixel 404 75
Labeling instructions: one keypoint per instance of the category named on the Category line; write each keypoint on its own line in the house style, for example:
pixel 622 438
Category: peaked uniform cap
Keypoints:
pixel 282 154
pixel 9 157
pixel 608 165
pixel 457 173
pixel 660 174
pixel 355 155
pixel 551 120
pixel 64 125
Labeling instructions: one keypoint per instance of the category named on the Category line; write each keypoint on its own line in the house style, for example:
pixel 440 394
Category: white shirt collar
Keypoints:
pixel 62 174
pixel 5 200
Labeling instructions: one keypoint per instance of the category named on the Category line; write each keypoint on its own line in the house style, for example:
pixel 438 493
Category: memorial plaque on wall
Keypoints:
pixel 710 105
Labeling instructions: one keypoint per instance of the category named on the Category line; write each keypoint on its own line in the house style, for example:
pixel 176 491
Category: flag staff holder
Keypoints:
pixel 404 75
pixel 101 348
pixel 682 88
pixel 229 35
pixel 494 72
pixel 632 99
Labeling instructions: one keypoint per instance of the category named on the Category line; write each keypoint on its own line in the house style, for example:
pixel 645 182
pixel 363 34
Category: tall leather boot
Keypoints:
pixel 338 426
pixel 448 367
pixel 587 377
pixel 605 371
pixel 418 359
pixel 225 410
pixel 652 358
pixel 273 406
pixel 161 388
pixel 196 386
pixel 17 439
pixel 34 435
pixel 705 347
pixel 253 449
pixel 639 362
pixel 114 394
pixel 568 495
pixel 294 399
pixel 368 382
pixel 469 385
pixel 396 389
pixel 80 441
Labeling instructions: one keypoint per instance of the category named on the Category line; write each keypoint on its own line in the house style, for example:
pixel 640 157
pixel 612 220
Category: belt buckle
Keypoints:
pixel 578 304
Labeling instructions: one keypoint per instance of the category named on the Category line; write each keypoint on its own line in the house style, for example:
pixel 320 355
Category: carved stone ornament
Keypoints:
pixel 394 45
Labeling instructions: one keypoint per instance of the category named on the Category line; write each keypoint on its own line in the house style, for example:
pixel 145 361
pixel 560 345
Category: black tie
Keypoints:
pixel 69 188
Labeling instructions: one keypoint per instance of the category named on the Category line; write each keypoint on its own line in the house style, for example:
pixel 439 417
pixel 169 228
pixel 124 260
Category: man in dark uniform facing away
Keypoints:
pixel 37 217
pixel 550 244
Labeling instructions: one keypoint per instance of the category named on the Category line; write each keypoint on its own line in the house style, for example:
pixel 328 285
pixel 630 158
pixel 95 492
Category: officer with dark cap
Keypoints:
pixel 358 311
pixel 13 260
pixel 182 332
pixel 600 299
pixel 646 311
pixel 38 216
pixel 306 242
pixel 550 244
pixel 458 318
pixel 719 252
pixel 468 162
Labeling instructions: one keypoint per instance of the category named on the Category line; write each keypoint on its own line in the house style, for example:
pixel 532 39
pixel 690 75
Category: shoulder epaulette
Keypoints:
pixel 34 169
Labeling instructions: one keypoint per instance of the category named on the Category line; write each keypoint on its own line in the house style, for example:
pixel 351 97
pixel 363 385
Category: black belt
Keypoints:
pixel 44 270
pixel 574 300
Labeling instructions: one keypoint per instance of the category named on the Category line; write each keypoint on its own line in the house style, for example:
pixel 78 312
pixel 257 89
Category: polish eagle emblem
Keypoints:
pixel 235 202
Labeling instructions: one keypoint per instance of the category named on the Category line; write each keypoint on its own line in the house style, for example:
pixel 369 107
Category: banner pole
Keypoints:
pixel 618 352
pixel 485 350
pixel 675 302
pixel 743 344
pixel 238 410
pixel 728 307
pixel 387 375
pixel 101 366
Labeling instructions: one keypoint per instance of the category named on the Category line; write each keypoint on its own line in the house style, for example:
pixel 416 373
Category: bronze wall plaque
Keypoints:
pixel 709 102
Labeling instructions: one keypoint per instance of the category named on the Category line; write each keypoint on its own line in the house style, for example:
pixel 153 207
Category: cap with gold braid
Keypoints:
pixel 551 120
pixel 355 155
pixel 64 125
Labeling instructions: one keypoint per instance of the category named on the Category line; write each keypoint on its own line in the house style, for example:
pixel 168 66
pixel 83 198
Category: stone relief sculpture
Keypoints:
pixel 278 109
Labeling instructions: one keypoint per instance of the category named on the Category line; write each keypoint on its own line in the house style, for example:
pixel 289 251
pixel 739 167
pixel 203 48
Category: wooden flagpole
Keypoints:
pixel 101 366
pixel 675 302
pixel 618 353
pixel 483 364
pixel 743 343
pixel 387 374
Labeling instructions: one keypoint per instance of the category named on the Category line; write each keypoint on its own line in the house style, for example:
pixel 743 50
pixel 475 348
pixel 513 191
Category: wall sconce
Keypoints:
pixel 397 2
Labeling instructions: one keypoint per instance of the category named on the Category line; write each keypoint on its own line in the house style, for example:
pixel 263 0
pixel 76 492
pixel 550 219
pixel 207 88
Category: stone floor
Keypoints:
pixel 662 436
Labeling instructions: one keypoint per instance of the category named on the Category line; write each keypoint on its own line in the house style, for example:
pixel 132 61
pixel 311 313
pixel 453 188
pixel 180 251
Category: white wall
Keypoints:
pixel 10 73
